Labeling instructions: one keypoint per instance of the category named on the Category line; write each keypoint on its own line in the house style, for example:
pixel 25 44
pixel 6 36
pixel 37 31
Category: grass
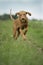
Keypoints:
pixel 20 52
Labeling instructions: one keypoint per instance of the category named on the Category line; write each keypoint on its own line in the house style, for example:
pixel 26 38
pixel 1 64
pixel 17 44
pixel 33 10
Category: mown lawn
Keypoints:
pixel 20 52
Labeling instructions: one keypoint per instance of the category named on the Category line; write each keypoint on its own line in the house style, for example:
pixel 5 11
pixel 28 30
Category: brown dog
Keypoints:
pixel 20 24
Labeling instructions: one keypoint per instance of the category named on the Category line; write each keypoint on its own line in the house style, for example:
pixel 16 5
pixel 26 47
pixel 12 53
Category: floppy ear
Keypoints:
pixel 17 13
pixel 28 13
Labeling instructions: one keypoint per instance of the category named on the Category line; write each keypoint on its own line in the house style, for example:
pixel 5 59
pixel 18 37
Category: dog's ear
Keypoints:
pixel 28 13
pixel 17 13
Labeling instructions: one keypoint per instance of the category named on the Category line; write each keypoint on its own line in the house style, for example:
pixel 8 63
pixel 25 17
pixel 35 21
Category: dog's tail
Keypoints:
pixel 11 16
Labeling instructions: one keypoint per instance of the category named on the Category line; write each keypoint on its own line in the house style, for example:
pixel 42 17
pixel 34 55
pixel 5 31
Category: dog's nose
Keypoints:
pixel 22 18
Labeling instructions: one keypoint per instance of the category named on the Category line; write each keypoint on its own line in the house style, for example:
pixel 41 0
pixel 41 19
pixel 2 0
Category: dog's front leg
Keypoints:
pixel 21 32
pixel 25 30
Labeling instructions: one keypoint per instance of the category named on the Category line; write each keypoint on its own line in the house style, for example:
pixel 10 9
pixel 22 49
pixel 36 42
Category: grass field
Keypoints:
pixel 20 52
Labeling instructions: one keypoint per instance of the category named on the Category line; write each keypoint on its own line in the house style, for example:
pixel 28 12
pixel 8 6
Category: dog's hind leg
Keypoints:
pixel 14 32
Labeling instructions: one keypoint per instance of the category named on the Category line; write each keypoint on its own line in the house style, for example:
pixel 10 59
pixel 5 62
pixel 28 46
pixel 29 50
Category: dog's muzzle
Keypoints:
pixel 23 20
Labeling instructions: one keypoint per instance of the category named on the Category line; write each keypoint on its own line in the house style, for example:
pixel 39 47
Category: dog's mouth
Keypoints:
pixel 23 20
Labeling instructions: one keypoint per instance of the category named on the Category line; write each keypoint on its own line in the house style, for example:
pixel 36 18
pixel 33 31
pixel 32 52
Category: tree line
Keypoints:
pixel 7 17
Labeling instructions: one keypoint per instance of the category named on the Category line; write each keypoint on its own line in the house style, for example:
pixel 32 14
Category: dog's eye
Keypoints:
pixel 20 14
pixel 24 15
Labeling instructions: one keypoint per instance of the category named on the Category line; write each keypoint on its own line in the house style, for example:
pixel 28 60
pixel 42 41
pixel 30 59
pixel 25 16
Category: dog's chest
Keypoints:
pixel 24 25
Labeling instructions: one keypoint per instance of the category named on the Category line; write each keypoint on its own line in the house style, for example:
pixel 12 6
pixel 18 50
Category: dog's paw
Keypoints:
pixel 24 38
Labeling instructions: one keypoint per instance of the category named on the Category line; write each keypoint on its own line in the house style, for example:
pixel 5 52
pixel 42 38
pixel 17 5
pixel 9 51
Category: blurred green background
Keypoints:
pixel 20 52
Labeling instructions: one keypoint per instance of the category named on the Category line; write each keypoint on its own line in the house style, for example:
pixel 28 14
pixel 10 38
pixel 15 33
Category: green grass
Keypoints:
pixel 20 52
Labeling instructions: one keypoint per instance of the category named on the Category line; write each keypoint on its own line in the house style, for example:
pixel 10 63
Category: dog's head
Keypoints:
pixel 22 15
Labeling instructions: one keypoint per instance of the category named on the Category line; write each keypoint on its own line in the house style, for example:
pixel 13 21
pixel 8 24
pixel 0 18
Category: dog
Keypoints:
pixel 20 25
